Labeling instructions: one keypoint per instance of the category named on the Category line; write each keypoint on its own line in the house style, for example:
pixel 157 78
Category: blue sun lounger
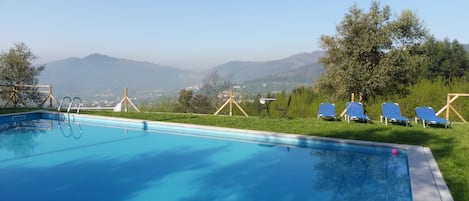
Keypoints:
pixel 391 112
pixel 327 111
pixel 428 116
pixel 354 111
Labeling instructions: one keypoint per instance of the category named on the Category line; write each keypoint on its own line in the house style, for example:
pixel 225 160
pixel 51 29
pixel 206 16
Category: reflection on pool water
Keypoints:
pixel 58 160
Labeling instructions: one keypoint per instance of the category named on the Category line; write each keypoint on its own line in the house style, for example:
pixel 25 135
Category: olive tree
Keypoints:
pixel 372 54
pixel 16 68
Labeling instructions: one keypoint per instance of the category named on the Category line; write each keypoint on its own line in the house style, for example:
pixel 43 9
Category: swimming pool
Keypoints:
pixel 96 158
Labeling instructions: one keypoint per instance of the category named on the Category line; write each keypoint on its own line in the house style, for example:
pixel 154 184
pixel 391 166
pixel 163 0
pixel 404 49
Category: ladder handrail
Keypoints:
pixel 62 101
pixel 79 104
pixel 71 103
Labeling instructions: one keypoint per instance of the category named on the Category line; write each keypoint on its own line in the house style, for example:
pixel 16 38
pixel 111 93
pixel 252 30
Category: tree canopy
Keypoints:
pixel 371 53
pixel 16 68
pixel 447 60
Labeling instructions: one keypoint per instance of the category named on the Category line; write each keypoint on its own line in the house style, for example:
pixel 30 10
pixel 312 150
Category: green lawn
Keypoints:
pixel 450 147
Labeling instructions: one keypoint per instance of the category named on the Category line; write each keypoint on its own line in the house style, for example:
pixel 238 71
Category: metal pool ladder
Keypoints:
pixel 71 101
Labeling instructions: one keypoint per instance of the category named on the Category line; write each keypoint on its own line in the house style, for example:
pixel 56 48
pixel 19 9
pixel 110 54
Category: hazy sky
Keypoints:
pixel 197 34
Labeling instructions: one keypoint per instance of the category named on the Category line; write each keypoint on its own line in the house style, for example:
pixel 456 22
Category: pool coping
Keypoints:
pixel 427 182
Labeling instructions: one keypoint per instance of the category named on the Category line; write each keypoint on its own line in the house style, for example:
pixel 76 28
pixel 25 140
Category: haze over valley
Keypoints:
pixel 100 79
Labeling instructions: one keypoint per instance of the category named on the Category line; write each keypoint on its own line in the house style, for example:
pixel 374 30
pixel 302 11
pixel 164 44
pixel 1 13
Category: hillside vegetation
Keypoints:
pixel 305 101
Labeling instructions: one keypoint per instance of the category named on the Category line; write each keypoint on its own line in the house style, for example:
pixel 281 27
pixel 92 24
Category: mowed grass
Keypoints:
pixel 450 147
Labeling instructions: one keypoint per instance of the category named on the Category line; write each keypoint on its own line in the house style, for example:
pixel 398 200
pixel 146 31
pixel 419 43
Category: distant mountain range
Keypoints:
pixel 243 71
pixel 304 74
pixel 98 74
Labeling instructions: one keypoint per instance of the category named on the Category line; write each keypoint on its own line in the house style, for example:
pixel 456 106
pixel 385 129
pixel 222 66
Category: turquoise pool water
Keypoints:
pixel 57 160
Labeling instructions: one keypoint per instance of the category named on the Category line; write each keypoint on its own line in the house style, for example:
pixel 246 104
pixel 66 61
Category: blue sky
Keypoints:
pixel 197 34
